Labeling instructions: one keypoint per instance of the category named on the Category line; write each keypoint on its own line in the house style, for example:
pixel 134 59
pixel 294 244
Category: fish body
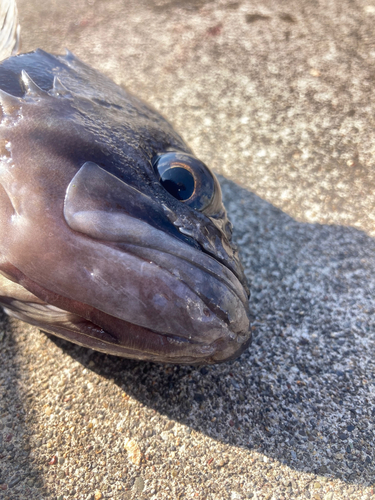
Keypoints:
pixel 113 235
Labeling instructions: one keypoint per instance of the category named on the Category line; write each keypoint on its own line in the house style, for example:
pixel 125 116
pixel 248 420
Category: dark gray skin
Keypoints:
pixel 93 248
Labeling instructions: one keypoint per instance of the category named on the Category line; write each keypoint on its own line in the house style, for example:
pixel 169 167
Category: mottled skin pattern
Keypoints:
pixel 92 247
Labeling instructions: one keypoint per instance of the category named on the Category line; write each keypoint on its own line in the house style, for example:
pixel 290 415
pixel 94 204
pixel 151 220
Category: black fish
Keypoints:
pixel 113 235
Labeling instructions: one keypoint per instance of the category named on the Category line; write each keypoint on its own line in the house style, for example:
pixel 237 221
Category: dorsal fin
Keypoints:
pixel 30 87
pixel 58 88
pixel 9 103
pixel 69 56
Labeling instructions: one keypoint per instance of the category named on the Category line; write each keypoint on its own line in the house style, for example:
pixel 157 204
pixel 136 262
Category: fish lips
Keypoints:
pixel 160 282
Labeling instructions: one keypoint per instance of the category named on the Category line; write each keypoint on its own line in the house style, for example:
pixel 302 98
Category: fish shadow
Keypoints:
pixel 303 392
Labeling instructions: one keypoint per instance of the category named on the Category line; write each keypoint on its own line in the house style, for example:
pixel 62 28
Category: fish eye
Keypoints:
pixel 186 178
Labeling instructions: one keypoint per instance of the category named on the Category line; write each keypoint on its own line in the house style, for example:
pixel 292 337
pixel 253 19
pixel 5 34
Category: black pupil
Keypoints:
pixel 179 182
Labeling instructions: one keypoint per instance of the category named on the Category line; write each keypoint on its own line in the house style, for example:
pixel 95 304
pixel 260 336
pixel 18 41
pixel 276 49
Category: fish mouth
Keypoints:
pixel 177 303
pixel 209 325
pixel 177 293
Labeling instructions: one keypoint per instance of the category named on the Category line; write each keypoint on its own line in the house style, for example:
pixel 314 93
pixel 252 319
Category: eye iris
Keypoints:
pixel 179 182
pixel 187 179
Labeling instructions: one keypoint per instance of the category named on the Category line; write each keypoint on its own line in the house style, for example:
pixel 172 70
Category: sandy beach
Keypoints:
pixel 278 98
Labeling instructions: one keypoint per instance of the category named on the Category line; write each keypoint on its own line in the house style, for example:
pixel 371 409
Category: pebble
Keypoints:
pixel 235 496
pixel 221 463
pixel 165 435
pixel 15 480
pixel 169 425
pixel 134 451
pixel 48 410
pixel 139 484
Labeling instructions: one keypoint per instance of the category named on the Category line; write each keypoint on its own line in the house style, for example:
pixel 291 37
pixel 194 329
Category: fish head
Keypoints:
pixel 114 234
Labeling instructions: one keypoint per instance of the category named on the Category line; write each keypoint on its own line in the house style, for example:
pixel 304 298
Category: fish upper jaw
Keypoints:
pixel 96 198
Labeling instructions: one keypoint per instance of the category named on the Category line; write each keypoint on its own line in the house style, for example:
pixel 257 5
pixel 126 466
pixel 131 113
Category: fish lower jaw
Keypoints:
pixel 93 328
pixel 123 339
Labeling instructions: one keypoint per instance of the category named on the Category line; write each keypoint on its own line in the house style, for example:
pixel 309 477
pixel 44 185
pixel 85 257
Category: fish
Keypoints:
pixel 113 234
